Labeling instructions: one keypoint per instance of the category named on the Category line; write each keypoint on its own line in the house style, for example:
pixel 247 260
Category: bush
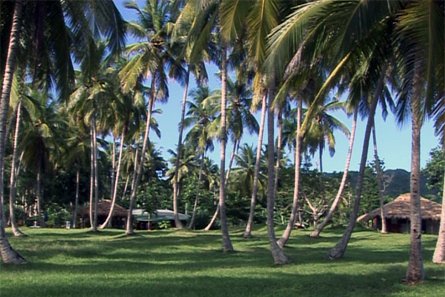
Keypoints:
pixel 57 216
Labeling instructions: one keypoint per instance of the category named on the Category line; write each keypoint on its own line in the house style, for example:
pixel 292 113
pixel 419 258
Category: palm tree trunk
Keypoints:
pixel 340 248
pixel 415 272
pixel 256 172
pixel 227 244
pixel 178 223
pixel 39 197
pixel 195 204
pixel 113 166
pixel 137 177
pixel 14 173
pixel 293 216
pixel 76 201
pixel 278 152
pixel 124 192
pixel 378 169
pixel 96 176
pixel 232 158
pixel 334 205
pixel 439 251
pixel 91 209
pixel 277 252
pixel 213 219
pixel 109 218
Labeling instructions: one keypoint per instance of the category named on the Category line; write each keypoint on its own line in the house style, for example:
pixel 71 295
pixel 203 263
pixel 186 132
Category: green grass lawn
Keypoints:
pixel 185 263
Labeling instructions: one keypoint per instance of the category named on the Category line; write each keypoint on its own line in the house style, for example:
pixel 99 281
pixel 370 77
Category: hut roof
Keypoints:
pixel 400 209
pixel 158 215
pixel 103 208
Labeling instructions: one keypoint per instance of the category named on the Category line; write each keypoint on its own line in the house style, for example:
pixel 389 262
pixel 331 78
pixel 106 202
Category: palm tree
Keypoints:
pixel 39 142
pixel 202 118
pixel 54 29
pixel 321 130
pixel 147 58
pixel 439 251
pixel 77 155
pixel 192 54
pixel 318 228
pixel 239 115
pixel 248 230
pixel 378 170
pixel 420 47
pixel 244 171
pixel 258 20
pixel 92 101
pixel 8 254
pixel 416 44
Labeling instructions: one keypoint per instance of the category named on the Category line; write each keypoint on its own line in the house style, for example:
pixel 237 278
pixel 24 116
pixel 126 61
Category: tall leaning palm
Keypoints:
pixel 202 121
pixel 207 23
pixel 259 19
pixel 412 31
pixel 60 35
pixel 147 58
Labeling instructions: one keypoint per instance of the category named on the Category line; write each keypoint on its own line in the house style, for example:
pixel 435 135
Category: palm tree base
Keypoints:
pixel 336 253
pixel 281 243
pixel 130 233
pixel 247 235
pixel 9 255
pixel 279 258
pixel 315 234
pixel 18 233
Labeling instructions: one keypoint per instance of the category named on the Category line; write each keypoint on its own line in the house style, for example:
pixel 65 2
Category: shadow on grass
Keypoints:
pixel 276 283
pixel 185 263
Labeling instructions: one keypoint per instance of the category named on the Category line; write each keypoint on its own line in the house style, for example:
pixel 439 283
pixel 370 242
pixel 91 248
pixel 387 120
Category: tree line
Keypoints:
pixel 293 61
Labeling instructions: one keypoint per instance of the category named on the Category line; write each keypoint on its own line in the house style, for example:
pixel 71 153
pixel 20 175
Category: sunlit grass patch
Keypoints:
pixel 191 263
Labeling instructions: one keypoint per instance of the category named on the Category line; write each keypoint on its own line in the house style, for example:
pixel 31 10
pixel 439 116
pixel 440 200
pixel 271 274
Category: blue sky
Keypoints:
pixel 394 142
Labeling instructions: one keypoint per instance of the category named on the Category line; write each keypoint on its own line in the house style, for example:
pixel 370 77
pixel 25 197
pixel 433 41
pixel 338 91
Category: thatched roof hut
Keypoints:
pixel 397 215
pixel 103 208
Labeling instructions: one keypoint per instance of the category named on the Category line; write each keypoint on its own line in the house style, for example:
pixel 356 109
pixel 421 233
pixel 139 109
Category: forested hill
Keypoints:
pixel 397 182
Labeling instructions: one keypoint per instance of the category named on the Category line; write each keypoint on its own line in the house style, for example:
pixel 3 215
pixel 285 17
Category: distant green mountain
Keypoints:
pixel 398 182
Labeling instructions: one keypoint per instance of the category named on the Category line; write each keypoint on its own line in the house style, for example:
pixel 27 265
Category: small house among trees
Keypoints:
pixel 397 215
pixel 103 208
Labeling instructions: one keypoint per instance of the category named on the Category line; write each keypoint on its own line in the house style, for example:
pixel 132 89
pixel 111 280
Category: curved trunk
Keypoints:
pixel 213 219
pixel 14 173
pixel 378 169
pixel 227 244
pixel 178 223
pixel 76 201
pixel 439 251
pixel 340 248
pixel 415 272
pixel 137 177
pixel 278 255
pixel 109 218
pixel 256 172
pixel 124 192
pixel 8 254
pixel 113 165
pixel 232 158
pixel 195 204
pixel 334 205
pixel 293 216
